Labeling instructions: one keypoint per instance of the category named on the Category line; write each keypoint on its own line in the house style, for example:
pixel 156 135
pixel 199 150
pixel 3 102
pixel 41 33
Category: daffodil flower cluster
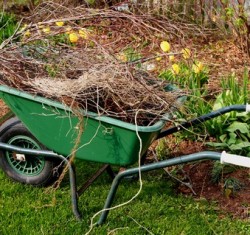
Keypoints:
pixel 73 35
pixel 197 67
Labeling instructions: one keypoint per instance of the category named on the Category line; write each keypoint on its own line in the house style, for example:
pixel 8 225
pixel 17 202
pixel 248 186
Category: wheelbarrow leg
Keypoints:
pixel 149 167
pixel 73 190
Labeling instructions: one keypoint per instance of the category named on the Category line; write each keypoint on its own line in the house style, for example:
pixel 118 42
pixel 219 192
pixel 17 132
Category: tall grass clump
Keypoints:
pixel 8 25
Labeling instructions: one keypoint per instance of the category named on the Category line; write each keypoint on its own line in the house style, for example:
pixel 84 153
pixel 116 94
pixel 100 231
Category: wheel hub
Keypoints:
pixel 27 165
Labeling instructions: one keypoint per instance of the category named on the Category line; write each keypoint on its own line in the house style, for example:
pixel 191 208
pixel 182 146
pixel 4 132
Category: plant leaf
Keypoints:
pixel 223 138
pixel 213 144
pixel 239 146
pixel 218 102
pixel 242 127
pixel 232 138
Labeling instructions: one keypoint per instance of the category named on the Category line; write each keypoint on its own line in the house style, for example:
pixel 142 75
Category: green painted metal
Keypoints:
pixel 33 165
pixel 149 167
pixel 103 139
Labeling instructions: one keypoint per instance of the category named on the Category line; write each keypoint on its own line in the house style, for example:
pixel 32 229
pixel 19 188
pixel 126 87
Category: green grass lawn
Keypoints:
pixel 157 210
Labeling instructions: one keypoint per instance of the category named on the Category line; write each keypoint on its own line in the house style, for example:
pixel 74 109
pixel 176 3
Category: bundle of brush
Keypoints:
pixel 91 80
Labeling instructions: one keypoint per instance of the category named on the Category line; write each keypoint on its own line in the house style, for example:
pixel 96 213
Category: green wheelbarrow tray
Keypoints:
pixel 103 139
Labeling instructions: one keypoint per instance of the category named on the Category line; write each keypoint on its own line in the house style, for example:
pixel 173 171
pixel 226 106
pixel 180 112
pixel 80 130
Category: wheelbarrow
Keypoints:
pixel 44 132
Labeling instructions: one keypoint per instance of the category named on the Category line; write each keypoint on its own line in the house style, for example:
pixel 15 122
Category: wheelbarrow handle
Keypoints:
pixel 248 108
pixel 206 155
pixel 234 159
pixel 203 118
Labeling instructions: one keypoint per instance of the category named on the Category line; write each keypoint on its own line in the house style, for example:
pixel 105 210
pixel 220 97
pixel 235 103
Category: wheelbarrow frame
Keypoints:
pixel 206 155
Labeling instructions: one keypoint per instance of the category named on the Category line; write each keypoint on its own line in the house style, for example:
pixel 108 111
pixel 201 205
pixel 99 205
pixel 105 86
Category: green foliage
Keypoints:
pixel 161 149
pixel 186 78
pixel 229 11
pixel 52 70
pixel 90 2
pixel 196 103
pixel 165 147
pixel 217 172
pixel 59 38
pixel 233 184
pixel 8 25
pixel 131 55
pixel 232 130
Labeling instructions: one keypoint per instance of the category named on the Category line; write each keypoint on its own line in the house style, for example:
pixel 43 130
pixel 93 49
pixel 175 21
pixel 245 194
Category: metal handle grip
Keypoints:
pixel 248 108
pixel 234 159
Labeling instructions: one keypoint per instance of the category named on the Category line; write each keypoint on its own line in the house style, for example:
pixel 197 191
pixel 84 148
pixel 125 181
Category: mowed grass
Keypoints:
pixel 157 210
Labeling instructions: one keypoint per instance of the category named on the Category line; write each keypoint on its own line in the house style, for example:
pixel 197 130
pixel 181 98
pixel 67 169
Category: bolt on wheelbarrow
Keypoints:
pixel 40 139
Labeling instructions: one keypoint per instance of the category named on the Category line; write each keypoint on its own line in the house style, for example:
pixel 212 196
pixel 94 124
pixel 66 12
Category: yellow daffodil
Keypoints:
pixel 83 33
pixel 176 69
pixel 46 29
pixel 59 23
pixel 197 67
pixel 165 46
pixel 186 53
pixel 27 34
pixel 73 37
pixel 171 58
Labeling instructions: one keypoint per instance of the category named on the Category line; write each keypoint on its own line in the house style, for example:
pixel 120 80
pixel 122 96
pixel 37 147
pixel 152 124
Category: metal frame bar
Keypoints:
pixel 201 119
pixel 149 167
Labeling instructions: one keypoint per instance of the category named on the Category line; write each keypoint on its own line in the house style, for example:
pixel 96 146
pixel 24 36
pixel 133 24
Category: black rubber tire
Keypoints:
pixel 34 170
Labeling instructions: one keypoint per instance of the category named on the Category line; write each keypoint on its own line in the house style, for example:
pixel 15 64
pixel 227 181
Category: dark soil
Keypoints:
pixel 236 202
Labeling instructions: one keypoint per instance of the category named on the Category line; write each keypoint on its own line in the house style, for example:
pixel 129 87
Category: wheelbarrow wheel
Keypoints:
pixel 28 169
